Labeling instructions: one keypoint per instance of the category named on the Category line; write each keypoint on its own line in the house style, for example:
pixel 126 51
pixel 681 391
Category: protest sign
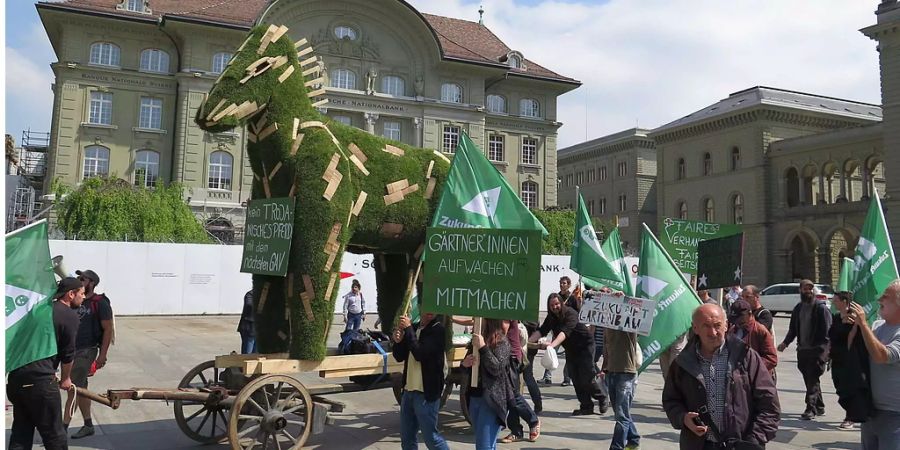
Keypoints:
pixel 267 236
pixel 719 262
pixel 623 313
pixel 680 237
pixel 482 272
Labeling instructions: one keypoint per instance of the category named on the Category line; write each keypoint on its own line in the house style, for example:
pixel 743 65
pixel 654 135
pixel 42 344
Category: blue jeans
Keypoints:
pixel 418 414
pixel 485 424
pixel 354 321
pixel 882 431
pixel 621 394
pixel 248 343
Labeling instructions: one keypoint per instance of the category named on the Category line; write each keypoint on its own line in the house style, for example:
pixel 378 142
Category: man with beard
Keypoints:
pixel 810 322
pixel 579 344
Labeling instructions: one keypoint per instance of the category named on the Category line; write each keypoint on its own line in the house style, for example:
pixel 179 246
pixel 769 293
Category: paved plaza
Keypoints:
pixel 158 351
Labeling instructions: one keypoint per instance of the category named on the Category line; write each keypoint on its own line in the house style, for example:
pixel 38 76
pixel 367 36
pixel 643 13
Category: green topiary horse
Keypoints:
pixel 354 191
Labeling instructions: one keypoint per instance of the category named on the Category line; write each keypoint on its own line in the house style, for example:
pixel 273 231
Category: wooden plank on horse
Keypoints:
pixel 397 186
pixel 394 150
pixel 287 73
pixel 429 190
pixel 358 204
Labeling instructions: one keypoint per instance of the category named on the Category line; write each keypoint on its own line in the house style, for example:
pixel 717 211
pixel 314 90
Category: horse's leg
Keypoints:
pixel 392 275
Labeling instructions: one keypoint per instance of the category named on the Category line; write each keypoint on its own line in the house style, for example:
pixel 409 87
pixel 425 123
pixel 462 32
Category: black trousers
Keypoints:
pixel 581 366
pixel 36 404
pixel 811 363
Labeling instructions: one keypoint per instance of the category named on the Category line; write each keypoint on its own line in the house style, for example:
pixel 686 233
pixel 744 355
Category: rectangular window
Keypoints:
pixel 529 151
pixel 495 147
pixel 603 206
pixel 101 108
pixel 603 173
pixel 529 194
pixel 451 139
pixel 622 203
pixel 623 169
pixel 592 175
pixel 151 113
pixel 579 178
pixel 569 180
pixel 590 207
pixel 392 130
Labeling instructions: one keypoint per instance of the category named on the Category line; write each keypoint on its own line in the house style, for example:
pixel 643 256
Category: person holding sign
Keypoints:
pixel 619 370
pixel 579 344
pixel 489 401
pixel 421 348
pixel 719 392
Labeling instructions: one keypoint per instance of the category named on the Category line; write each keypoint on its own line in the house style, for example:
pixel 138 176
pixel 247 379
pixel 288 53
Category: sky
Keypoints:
pixel 642 63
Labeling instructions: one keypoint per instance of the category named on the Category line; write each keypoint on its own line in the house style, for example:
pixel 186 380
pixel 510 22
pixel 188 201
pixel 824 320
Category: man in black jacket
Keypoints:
pixel 423 379
pixel 810 322
pixel 579 344
pixel 33 389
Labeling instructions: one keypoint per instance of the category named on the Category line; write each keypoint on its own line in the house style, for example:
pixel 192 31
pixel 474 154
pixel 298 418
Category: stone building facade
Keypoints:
pixel 131 74
pixel 616 175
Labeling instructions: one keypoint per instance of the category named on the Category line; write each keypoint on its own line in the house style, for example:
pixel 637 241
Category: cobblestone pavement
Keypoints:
pixel 158 351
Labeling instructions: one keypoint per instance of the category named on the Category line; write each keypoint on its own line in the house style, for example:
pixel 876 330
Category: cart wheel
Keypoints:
pixel 202 422
pixel 448 389
pixel 271 410
pixel 396 384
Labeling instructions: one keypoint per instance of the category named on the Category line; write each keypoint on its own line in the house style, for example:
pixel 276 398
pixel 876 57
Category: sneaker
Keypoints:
pixel 603 408
pixel 582 412
pixel 566 383
pixel 847 425
pixel 509 439
pixel 808 415
pixel 85 431
pixel 820 411
pixel 633 447
pixel 547 381
pixel 535 432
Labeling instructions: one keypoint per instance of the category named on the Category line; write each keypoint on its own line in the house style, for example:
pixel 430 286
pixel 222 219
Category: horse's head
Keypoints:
pixel 265 62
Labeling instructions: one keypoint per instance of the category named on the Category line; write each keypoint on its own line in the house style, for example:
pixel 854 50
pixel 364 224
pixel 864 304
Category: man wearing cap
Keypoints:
pixel 33 389
pixel 95 333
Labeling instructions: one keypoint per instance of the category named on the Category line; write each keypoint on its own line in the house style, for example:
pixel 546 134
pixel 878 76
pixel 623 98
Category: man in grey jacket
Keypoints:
pixel 718 391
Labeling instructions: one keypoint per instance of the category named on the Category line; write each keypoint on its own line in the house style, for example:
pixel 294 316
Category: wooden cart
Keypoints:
pixel 253 401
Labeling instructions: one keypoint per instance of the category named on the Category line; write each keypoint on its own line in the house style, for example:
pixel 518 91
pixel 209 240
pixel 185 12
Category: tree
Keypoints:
pixel 111 209
pixel 560 223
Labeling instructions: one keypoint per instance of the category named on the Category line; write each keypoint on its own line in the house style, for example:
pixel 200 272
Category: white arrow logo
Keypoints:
pixel 588 236
pixel 652 286
pixel 484 202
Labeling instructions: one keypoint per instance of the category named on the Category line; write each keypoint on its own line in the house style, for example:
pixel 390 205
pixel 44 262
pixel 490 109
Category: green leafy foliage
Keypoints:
pixel 560 223
pixel 111 209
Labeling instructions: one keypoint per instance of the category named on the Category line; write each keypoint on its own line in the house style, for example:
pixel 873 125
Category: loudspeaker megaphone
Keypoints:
pixel 58 267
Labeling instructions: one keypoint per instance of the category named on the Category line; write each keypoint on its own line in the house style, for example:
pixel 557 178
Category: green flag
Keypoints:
pixel 476 195
pixel 659 279
pixel 30 286
pixel 612 247
pixel 588 258
pixel 874 263
pixel 846 276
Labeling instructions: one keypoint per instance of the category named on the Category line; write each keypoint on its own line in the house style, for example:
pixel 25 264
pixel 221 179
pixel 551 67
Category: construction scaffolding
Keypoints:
pixel 25 184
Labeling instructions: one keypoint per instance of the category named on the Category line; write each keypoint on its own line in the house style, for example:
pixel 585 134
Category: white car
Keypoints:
pixel 782 297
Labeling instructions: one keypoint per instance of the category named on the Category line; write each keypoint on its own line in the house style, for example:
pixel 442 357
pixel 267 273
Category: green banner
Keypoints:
pixel 267 236
pixel 659 280
pixel 482 273
pixel 680 237
pixel 612 247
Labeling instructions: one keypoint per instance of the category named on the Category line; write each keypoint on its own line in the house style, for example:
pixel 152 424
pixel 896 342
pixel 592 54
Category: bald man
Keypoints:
pixel 697 397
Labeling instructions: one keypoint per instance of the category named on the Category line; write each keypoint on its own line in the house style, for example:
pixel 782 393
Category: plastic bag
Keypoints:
pixel 549 360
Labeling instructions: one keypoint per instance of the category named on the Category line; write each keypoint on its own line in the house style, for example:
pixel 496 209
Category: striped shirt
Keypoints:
pixel 715 375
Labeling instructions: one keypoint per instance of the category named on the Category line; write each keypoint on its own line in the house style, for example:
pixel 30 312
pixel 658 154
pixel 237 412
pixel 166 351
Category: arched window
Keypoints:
pixel 96 162
pixel 680 170
pixel 709 210
pixel 735 158
pixel 451 93
pixel 496 104
pixel 707 164
pixel 220 61
pixel 220 164
pixel 344 31
pixel 104 54
pixel 792 187
pixel 737 209
pixel 530 194
pixel 514 61
pixel 682 211
pixel 393 85
pixel 529 107
pixel 154 60
pixel 344 79
pixel 146 168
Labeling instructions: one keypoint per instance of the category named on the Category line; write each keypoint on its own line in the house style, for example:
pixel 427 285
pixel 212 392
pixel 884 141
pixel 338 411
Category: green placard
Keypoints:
pixel 267 236
pixel 680 237
pixel 482 272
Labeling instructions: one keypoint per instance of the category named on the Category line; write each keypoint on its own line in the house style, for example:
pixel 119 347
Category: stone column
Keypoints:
pixel 821 189
pixel 417 124
pixel 371 118
pixel 843 185
pixel 864 171
pixel 823 265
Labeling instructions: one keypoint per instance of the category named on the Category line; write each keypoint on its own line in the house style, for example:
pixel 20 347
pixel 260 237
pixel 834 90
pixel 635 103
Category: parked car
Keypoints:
pixel 782 297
